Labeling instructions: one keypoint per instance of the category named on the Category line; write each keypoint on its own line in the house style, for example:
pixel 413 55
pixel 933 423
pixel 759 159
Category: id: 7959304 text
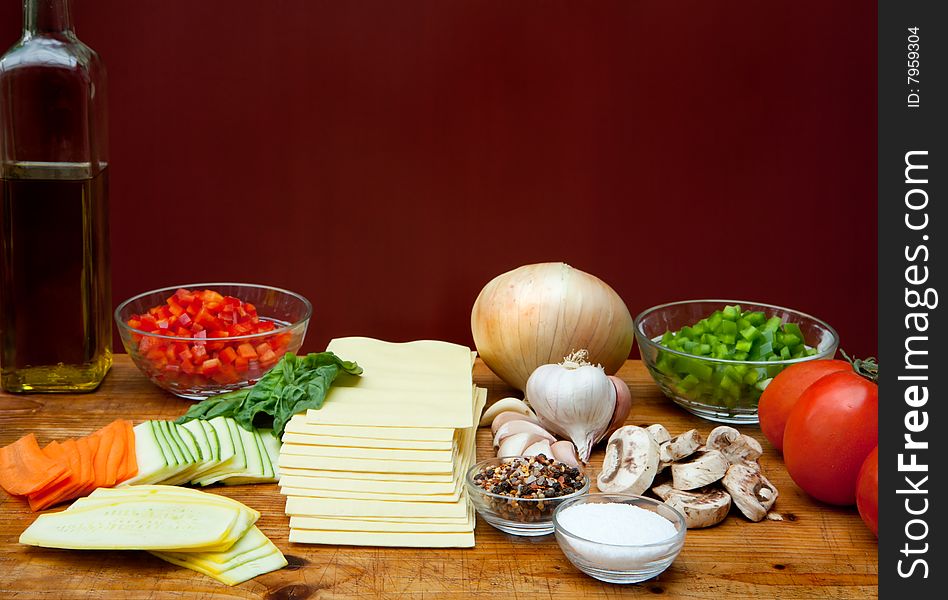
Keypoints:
pixel 912 71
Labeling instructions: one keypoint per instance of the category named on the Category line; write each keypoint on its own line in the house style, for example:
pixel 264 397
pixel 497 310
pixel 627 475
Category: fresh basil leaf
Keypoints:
pixel 295 384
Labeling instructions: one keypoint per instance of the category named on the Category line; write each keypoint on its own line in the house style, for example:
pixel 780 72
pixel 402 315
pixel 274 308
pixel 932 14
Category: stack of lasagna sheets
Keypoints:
pixel 382 463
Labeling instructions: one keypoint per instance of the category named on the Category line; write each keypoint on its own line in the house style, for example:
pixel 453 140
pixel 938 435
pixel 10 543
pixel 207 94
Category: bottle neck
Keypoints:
pixel 47 16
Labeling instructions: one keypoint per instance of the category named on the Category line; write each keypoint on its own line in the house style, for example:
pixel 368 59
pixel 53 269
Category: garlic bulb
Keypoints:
pixel 574 399
pixel 536 314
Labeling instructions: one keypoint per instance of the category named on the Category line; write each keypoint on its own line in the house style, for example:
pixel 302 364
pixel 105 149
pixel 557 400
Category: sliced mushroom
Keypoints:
pixel 537 448
pixel 507 416
pixel 663 490
pixel 504 405
pixel 659 432
pixel 752 492
pixel 681 446
pixel 565 452
pixel 702 508
pixel 699 470
pixel 513 427
pixel 734 445
pixel 631 461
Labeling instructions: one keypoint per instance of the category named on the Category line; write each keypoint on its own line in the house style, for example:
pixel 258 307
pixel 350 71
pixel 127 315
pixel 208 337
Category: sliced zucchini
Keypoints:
pixel 136 524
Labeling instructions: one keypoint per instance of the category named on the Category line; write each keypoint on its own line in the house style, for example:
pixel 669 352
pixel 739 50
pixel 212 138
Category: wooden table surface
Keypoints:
pixel 817 551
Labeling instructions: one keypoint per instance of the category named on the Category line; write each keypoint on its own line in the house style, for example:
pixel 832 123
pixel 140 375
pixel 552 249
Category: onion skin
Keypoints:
pixel 537 314
pixel 623 407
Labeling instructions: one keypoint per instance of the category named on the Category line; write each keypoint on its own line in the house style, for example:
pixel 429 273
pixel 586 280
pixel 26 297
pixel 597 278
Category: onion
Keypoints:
pixel 537 314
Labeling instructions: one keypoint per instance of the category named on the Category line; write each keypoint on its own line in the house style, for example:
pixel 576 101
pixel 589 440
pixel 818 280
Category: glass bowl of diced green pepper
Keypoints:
pixel 715 357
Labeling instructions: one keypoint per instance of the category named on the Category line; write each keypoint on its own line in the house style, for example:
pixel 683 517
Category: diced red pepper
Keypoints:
pixel 227 355
pixel 268 358
pixel 148 342
pixel 174 307
pixel 199 352
pixel 207 319
pixel 147 323
pixel 245 350
pixel 210 366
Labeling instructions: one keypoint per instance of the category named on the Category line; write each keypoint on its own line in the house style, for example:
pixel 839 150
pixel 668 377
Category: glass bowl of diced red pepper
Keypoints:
pixel 203 339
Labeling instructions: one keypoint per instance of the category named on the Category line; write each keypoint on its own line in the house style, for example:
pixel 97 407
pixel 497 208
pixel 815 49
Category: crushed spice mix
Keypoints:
pixel 531 478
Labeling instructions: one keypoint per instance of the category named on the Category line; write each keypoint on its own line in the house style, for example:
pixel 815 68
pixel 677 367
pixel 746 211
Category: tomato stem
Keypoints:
pixel 868 367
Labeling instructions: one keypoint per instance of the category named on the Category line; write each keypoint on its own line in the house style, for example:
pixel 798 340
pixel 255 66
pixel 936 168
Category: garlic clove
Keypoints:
pixel 508 416
pixel 622 409
pixel 513 427
pixel 537 448
pixel 564 451
pixel 504 405
pixel 515 444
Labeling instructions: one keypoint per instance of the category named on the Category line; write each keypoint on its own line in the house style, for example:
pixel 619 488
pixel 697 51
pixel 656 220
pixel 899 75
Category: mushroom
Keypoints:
pixel 698 471
pixel 752 492
pixel 702 508
pixel 659 433
pixel 680 447
pixel 631 461
pixel 734 445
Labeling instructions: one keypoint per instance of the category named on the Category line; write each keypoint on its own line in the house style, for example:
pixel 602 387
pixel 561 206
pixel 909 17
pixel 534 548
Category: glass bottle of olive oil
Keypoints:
pixel 55 298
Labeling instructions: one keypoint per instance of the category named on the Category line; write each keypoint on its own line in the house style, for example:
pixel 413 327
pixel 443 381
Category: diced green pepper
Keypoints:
pixel 718 343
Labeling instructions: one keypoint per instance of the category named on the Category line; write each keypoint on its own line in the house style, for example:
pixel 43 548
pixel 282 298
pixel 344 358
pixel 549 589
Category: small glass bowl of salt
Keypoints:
pixel 619 538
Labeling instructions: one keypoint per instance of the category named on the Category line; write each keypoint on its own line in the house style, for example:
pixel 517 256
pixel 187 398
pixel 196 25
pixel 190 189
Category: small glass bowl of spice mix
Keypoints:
pixel 518 494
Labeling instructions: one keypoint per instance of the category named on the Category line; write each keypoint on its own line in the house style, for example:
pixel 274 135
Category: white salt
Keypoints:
pixel 616 523
pixel 620 525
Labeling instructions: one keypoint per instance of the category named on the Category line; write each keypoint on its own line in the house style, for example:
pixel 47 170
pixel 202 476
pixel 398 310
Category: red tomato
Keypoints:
pixel 867 491
pixel 829 433
pixel 782 394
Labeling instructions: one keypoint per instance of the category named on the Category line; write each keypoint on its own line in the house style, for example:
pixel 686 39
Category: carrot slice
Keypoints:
pixel 25 469
pixel 93 442
pixel 116 455
pixel 131 460
pixel 64 453
pixel 106 437
pixel 85 456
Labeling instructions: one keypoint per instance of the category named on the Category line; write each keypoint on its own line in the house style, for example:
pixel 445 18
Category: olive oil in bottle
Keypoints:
pixel 55 298
pixel 55 321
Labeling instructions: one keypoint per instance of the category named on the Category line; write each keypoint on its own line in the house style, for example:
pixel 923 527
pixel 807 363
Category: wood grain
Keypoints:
pixel 817 551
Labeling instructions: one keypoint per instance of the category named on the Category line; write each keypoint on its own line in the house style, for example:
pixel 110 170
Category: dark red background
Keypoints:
pixel 386 159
